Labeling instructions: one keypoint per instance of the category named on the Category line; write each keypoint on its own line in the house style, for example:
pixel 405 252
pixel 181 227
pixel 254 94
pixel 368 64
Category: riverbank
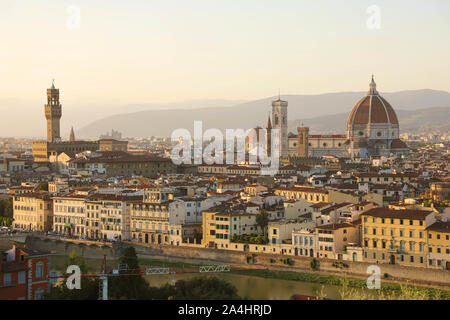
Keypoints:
pixel 282 283
pixel 343 281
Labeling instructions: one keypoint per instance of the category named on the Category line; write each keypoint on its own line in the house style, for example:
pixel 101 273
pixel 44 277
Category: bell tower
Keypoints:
pixel 279 121
pixel 302 142
pixel 53 114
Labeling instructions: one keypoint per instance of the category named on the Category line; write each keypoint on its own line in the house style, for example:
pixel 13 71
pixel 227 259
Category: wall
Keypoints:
pixel 271 261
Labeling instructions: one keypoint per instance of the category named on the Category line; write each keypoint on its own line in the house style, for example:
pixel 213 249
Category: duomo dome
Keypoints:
pixel 373 127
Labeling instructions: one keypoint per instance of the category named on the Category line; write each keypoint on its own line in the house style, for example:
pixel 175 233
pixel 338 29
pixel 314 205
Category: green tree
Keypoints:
pixel 262 220
pixel 6 208
pixel 204 288
pixel 132 285
pixel 89 286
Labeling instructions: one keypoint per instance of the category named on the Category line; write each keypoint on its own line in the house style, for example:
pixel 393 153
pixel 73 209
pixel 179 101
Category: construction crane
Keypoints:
pixel 124 271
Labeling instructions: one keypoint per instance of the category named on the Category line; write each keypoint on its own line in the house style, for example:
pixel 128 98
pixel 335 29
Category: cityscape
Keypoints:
pixel 339 193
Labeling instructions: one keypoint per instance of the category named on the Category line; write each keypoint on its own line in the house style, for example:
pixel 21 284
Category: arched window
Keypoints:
pixel 378 134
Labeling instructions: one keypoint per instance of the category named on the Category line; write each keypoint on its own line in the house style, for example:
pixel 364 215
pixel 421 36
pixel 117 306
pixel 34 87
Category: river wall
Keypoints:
pixel 193 254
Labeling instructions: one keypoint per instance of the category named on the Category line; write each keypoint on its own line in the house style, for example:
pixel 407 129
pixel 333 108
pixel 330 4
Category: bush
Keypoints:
pixel 314 264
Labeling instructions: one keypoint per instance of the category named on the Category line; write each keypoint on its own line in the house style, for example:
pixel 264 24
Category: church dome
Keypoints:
pixel 372 109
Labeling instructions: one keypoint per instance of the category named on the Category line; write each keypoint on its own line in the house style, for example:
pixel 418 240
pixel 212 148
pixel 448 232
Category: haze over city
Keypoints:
pixel 124 56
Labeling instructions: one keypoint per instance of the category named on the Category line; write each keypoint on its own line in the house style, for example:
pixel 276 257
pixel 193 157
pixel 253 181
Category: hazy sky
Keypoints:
pixel 155 51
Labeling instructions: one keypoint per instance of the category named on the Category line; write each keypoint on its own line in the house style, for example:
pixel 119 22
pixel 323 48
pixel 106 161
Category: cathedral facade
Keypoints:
pixel 372 130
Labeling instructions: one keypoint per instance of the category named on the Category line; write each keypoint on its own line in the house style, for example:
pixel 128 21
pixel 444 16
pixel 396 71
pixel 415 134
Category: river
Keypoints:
pixel 251 287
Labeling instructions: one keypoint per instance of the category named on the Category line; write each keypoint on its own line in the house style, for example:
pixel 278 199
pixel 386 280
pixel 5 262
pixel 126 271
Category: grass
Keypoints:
pixel 351 288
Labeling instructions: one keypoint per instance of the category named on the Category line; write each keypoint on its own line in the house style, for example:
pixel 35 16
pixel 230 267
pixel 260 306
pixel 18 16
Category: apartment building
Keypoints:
pixel 310 194
pixel 112 213
pixel 304 242
pixel 333 239
pixel 93 219
pixel 33 211
pixel 23 274
pixel 222 222
pixel 438 239
pixel 150 218
pixel 396 236
pixel 69 216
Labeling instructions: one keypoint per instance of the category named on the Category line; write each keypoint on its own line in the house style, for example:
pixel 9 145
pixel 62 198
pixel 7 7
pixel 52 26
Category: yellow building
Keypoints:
pixel 439 245
pixel 209 228
pixel 149 219
pixel 93 210
pixel 220 224
pixel 396 236
pixel 33 211
pixel 310 194
pixel 333 239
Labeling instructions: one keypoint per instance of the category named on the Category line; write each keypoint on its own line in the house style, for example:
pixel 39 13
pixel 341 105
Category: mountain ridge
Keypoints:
pixel 252 113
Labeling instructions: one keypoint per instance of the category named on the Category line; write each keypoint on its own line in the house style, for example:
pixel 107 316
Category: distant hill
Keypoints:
pixel 323 113
pixel 431 119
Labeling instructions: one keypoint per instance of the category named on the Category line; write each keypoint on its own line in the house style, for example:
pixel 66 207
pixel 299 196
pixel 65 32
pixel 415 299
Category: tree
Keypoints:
pixel 89 286
pixel 262 220
pixel 132 287
pixel 204 288
pixel 6 208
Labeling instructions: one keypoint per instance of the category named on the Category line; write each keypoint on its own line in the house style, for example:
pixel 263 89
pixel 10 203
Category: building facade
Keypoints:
pixel 33 211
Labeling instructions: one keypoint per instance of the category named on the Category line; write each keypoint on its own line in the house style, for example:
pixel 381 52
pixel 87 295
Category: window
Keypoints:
pixel 7 279
pixel 21 277
pixel 39 270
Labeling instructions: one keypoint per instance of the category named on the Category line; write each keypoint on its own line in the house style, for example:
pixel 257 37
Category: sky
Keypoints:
pixel 122 52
